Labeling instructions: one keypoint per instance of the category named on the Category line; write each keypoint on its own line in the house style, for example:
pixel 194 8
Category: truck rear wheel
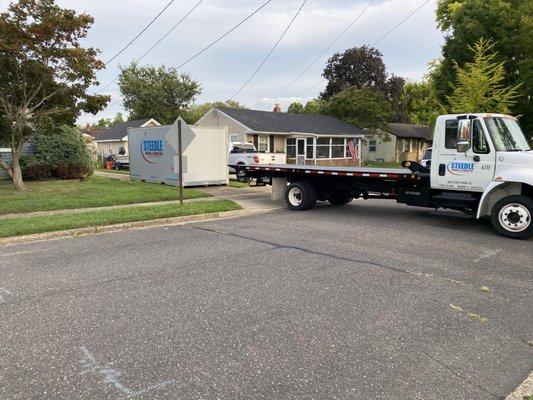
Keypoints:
pixel 300 196
pixel 240 173
pixel 511 217
pixel 339 200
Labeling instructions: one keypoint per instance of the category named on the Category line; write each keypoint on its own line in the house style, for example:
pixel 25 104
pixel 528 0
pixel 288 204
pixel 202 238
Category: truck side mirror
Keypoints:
pixel 464 130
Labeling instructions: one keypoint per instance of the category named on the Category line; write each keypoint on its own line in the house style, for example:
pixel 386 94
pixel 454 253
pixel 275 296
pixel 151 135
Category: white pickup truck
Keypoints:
pixel 242 153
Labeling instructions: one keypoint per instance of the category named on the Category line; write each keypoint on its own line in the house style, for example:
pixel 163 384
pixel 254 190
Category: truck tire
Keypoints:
pixel 511 217
pixel 339 200
pixel 300 196
pixel 240 173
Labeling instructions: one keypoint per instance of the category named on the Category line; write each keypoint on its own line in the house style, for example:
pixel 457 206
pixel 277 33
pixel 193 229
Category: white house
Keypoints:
pixel 306 139
pixel 115 140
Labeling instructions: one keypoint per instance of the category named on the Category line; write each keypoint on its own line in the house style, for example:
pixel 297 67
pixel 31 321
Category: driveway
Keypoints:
pixel 367 301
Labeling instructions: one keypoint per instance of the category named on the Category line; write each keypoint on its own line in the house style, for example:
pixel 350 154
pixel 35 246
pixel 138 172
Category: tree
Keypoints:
pixel 197 111
pixel 295 108
pixel 44 73
pixel 509 24
pixel 105 123
pixel 315 106
pixel 363 68
pixel 359 67
pixel 420 102
pixel 365 108
pixel 159 93
pixel 481 83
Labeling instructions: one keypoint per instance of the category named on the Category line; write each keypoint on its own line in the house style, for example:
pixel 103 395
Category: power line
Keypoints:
pixel 327 48
pixel 224 35
pixel 271 51
pixel 158 42
pixel 311 88
pixel 401 22
pixel 141 32
pixel 380 38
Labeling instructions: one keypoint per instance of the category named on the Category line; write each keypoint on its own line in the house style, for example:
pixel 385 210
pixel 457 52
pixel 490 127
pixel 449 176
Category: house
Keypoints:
pixel 115 139
pixel 407 142
pixel 306 139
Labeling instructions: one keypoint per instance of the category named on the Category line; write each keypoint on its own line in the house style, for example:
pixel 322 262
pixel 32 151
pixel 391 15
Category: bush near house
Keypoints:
pixel 61 153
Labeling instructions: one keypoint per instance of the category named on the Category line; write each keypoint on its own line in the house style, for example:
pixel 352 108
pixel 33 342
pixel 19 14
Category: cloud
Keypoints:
pixel 222 69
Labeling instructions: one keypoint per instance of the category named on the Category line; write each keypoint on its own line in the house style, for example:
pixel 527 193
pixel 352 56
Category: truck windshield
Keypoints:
pixel 506 134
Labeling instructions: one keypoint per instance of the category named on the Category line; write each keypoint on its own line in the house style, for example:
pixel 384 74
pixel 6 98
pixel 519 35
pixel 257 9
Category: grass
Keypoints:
pixel 93 192
pixel 115 171
pixel 27 225
pixel 237 184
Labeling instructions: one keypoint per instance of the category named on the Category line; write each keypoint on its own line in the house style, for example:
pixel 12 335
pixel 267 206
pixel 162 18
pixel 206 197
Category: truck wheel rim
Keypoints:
pixel 515 217
pixel 295 196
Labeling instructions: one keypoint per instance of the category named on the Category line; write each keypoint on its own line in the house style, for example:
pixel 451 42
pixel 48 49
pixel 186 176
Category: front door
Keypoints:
pixel 300 151
pixel 469 171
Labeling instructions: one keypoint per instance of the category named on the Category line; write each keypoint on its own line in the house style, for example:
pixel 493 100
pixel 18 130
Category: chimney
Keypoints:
pixel 277 107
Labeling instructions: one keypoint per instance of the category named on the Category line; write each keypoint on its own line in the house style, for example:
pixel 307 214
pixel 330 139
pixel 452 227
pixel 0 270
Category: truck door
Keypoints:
pixel 472 170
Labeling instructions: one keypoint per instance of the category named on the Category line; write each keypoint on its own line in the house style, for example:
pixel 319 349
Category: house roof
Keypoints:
pixel 268 121
pixel 119 131
pixel 411 131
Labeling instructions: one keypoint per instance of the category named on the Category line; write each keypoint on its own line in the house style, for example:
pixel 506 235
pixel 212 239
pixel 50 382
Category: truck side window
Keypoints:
pixel 479 141
pixel 450 135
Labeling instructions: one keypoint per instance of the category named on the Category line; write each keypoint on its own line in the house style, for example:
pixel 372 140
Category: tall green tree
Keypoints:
pixel 420 102
pixel 197 111
pixel 481 84
pixel 363 68
pixel 509 24
pixel 366 108
pixel 295 108
pixel 44 73
pixel 156 92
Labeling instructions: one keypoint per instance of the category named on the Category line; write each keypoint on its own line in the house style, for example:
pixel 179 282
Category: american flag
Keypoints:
pixel 353 147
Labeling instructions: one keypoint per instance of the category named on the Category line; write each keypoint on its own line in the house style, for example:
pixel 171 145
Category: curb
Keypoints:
pixel 524 390
pixel 80 232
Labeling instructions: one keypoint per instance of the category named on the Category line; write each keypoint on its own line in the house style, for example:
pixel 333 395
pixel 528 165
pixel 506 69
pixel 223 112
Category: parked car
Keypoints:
pixel 242 153
pixel 119 161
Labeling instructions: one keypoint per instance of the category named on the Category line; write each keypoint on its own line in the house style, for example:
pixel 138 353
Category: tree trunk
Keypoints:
pixel 17 176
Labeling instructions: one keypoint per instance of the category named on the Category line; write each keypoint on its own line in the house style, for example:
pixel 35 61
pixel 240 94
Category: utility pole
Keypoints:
pixel 180 151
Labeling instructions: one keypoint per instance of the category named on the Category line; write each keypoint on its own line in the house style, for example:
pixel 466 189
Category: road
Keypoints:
pixel 366 301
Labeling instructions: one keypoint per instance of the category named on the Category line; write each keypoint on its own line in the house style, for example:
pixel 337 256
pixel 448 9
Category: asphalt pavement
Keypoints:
pixel 371 300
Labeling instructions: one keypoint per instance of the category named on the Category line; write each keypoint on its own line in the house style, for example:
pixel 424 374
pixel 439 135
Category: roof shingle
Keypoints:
pixel 267 121
pixel 411 131
pixel 117 132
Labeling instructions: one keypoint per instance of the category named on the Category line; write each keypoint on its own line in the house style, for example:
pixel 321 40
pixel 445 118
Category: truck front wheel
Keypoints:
pixel 511 217
pixel 300 196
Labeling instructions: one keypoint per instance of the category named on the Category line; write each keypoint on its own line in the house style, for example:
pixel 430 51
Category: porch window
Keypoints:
pixel 309 149
pixel 372 144
pixel 323 147
pixel 337 147
pixel 290 148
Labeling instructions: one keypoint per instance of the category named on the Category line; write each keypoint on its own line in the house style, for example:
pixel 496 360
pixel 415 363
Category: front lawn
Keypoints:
pixel 115 171
pixel 49 223
pixel 93 192
pixel 375 164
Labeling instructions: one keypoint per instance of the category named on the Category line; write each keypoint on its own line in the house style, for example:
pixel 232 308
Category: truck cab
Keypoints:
pixel 485 157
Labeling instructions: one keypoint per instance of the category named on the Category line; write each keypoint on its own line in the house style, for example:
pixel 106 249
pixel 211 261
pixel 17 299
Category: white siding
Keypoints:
pixel 385 151
pixel 215 119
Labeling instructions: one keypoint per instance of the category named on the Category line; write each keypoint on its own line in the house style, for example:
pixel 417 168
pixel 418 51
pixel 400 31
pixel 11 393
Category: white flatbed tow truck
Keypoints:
pixel 481 164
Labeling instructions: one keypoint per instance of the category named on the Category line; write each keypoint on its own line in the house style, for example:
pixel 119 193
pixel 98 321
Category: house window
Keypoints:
pixel 406 146
pixel 323 147
pixel 309 149
pixel 233 138
pixel 263 143
pixel 372 144
pixel 290 148
pixel 337 148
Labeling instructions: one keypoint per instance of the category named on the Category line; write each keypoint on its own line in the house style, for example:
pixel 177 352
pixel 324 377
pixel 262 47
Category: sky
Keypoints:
pixel 222 69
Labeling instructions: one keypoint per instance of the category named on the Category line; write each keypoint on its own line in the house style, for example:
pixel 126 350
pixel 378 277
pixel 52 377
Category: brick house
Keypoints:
pixel 407 142
pixel 305 139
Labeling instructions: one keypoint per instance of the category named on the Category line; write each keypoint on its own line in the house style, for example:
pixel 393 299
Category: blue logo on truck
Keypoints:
pixel 460 168
pixel 151 150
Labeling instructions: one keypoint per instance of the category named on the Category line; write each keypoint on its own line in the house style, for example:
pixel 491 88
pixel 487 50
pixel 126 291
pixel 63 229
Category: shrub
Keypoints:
pixel 64 150
pixel 35 169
